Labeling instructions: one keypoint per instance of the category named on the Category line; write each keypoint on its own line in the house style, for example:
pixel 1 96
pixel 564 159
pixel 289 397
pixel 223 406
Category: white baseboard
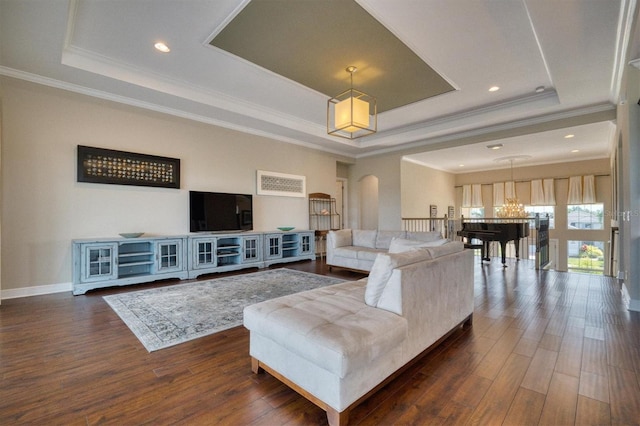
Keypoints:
pixel 634 305
pixel 631 304
pixel 39 290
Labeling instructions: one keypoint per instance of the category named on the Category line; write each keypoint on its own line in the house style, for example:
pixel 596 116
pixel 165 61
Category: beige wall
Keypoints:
pixel 387 170
pixel 44 208
pixel 422 187
pixel 629 203
pixel 560 172
pixel 0 192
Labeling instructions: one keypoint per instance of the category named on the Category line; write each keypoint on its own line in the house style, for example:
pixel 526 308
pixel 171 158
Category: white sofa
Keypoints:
pixel 336 345
pixel 357 248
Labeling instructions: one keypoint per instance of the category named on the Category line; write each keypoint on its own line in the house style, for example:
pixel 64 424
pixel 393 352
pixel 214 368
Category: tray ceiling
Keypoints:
pixel 574 50
pixel 312 42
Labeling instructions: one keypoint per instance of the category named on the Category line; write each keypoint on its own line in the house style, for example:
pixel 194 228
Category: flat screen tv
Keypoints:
pixel 217 211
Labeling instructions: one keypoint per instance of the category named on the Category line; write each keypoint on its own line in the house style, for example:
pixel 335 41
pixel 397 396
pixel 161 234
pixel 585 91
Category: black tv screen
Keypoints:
pixel 217 211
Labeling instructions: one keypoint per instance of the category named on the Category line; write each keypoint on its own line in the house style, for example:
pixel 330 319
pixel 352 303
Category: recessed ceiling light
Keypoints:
pixel 539 89
pixel 460 165
pixel 162 47
pixel 495 146
pixel 575 150
pixel 569 136
pixel 494 88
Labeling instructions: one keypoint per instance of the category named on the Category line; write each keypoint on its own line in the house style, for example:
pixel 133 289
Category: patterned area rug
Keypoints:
pixel 166 316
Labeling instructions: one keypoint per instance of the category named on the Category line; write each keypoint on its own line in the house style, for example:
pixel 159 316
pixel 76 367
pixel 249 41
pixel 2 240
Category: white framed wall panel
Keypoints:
pixel 281 184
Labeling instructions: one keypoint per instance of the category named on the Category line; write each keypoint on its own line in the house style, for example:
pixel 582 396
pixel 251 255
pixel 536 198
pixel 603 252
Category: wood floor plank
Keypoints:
pixel 594 357
pixel 70 360
pixel 494 406
pixel 561 402
pixel 540 370
pixel 570 354
pixel 526 408
pixel 499 353
pixel 592 413
pixel 472 390
pixel 624 394
pixel 594 386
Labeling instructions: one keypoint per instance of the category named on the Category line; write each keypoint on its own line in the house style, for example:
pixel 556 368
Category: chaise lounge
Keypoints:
pixel 336 345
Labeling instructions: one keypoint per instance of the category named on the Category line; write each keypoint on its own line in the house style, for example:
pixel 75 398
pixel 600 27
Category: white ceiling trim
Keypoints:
pixel 476 117
pixel 538 43
pixel 407 42
pixel 489 168
pixel 101 65
pixel 63 85
pixel 625 24
pixel 226 21
pixel 531 121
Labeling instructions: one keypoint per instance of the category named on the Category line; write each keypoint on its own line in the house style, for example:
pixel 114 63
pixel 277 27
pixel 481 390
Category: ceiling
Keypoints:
pixel 573 49
pixel 325 34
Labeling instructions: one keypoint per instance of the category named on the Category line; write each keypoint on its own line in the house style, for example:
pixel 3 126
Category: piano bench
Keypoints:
pixel 473 246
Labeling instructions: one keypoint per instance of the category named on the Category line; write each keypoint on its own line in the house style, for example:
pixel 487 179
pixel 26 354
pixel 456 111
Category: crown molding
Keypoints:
pixel 71 87
pixel 625 26
pixel 531 121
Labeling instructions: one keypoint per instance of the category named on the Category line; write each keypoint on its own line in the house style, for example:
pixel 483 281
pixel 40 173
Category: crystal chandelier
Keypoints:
pixel 512 208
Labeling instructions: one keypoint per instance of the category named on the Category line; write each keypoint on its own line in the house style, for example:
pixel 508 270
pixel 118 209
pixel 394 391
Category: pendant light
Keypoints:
pixel 351 114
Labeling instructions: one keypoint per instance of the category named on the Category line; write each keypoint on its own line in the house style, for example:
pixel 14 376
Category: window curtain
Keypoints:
pixel 498 194
pixel 589 190
pixel 575 190
pixel 582 190
pixel 510 190
pixel 537 193
pixel 472 195
pixel 466 195
pixel 549 192
pixel 543 192
pixel 476 195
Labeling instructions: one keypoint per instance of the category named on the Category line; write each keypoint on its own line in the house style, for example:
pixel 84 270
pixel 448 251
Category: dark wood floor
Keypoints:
pixel 545 349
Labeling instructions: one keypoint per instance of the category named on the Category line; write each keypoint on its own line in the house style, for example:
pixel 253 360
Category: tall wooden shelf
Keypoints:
pixel 322 212
pixel 323 217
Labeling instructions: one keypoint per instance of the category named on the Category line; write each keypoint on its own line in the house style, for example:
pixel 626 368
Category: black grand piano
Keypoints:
pixel 503 232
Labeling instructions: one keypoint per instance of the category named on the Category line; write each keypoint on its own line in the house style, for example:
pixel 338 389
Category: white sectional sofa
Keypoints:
pixel 336 345
pixel 357 248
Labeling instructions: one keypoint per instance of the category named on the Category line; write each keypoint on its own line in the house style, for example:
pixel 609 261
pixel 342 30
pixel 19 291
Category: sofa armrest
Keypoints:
pixel 335 239
pixel 339 238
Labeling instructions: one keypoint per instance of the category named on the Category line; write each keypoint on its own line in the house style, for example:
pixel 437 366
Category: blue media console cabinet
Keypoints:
pixel 107 262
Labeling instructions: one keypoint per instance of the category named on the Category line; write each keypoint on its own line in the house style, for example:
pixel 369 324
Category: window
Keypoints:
pixel 585 256
pixel 585 216
pixel 543 211
pixel 472 212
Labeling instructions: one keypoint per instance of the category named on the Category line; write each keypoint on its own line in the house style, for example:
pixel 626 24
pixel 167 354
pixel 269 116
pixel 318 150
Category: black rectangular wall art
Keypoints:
pixel 98 165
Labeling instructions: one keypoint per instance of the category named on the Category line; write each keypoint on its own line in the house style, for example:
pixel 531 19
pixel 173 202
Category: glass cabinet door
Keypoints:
pixel 169 255
pixel 204 253
pixel 273 246
pixel 251 249
pixel 306 243
pixel 99 262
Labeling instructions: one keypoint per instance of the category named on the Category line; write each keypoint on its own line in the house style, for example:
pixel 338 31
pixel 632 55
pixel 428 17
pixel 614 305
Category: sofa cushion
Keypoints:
pixel 384 238
pixel 350 252
pixel 424 236
pixel 382 269
pixel 329 326
pixel 399 245
pixel 364 238
pixel 365 253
